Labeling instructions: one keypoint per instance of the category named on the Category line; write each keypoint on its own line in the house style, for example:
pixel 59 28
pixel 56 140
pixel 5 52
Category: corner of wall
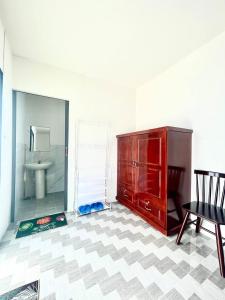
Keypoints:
pixel 6 142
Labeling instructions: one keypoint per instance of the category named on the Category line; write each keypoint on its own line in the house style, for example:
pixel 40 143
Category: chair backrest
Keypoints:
pixel 210 187
pixel 173 177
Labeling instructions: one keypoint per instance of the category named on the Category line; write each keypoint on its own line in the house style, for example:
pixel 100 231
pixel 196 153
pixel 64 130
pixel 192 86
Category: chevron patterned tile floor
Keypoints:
pixel 111 255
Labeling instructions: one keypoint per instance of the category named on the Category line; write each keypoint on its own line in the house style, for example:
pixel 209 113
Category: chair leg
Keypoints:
pixel 198 224
pixel 220 250
pixel 178 208
pixel 182 228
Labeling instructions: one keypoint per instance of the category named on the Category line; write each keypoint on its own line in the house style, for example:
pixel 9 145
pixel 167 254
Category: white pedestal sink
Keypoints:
pixel 39 169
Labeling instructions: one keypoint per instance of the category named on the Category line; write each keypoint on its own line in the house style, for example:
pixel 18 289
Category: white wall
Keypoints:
pixel 6 142
pixel 90 99
pixel 44 112
pixel 191 94
pixel 1 45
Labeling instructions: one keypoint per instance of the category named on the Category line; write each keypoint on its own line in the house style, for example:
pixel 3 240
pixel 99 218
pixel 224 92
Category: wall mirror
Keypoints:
pixel 39 138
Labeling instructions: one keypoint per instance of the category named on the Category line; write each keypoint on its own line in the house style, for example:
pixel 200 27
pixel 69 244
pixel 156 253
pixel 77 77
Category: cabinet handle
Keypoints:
pixel 124 193
pixel 147 208
pixel 134 163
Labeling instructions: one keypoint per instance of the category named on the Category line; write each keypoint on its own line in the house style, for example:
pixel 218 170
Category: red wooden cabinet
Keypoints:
pixel 154 175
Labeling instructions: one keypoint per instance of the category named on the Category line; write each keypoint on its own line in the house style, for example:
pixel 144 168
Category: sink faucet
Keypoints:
pixel 39 162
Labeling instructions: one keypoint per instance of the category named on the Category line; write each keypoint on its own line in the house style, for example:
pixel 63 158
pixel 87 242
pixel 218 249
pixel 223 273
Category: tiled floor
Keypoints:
pixel 112 255
pixel 32 208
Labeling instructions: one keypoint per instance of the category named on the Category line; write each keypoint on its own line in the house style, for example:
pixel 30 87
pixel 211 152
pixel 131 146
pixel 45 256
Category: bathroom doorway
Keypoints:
pixel 40 163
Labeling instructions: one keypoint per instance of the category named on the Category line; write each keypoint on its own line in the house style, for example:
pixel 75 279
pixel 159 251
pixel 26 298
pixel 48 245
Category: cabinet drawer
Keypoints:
pixel 125 194
pixel 150 210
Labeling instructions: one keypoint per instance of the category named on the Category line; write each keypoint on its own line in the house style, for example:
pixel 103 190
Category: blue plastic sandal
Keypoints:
pixel 88 208
pixel 99 206
pixel 84 209
pixel 93 206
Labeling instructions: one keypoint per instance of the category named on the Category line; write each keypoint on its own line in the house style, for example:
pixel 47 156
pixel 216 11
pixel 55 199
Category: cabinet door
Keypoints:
pixel 149 148
pixel 125 147
pixel 125 169
pixel 125 161
pixel 150 175
pixel 126 173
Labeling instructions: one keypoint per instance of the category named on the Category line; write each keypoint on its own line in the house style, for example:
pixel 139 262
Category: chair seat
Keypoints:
pixel 212 213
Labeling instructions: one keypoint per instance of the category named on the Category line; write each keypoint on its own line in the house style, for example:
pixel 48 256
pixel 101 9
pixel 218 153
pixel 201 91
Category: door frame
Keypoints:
pixel 13 181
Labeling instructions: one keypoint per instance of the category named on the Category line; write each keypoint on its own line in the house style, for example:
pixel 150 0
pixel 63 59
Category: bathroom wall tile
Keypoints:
pixel 55 174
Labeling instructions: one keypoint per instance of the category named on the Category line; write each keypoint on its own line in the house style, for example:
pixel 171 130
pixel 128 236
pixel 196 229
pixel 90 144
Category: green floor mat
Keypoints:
pixel 37 225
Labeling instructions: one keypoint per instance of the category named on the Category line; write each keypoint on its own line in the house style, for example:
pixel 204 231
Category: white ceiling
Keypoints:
pixel 123 41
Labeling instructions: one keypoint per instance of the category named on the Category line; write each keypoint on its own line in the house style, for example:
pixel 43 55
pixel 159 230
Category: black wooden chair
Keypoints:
pixel 210 193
